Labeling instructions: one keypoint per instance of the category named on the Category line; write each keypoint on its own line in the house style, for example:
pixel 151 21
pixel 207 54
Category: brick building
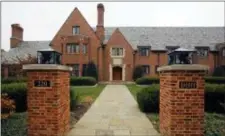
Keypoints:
pixel 117 50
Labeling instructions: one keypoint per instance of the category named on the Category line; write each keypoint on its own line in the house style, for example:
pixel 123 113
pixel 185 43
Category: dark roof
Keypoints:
pixel 161 37
pixel 23 50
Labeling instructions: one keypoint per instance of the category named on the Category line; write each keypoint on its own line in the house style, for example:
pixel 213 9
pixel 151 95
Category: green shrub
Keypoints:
pixel 79 81
pixel 13 80
pixel 214 98
pixel 74 99
pixel 17 92
pixel 147 80
pixel 91 70
pixel 215 80
pixel 137 72
pixel 148 99
pixel 219 71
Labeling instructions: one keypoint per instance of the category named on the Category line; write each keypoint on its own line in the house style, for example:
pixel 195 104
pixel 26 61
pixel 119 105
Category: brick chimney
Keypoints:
pixel 17 35
pixel 100 31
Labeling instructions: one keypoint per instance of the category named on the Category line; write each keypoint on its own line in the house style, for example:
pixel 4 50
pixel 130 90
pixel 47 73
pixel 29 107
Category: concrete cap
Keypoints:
pixel 46 67
pixel 186 67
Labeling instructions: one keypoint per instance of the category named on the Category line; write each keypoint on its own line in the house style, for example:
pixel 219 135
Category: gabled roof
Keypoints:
pixel 23 50
pixel 161 37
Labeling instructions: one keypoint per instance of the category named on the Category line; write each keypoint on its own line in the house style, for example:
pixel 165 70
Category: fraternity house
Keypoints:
pixel 117 50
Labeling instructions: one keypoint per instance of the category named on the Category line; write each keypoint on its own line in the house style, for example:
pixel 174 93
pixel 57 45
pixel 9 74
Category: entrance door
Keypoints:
pixel 117 73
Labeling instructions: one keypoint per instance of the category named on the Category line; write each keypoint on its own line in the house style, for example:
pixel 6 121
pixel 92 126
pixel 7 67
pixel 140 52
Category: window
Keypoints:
pixel 156 66
pixel 76 30
pixel 117 51
pixel 146 69
pixel 84 49
pixel 201 52
pixel 143 51
pixel 84 72
pixel 75 71
pixel 72 48
pixel 223 52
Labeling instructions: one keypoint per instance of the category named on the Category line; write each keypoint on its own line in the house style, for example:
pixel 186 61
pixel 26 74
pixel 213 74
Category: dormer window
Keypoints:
pixel 76 30
pixel 202 52
pixel 143 51
pixel 223 52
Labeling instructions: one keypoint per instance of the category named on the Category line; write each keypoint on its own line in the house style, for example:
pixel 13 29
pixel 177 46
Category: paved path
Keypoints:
pixel 114 113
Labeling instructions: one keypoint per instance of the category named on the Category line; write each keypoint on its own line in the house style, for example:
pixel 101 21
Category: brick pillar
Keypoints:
pixel 48 99
pixel 182 100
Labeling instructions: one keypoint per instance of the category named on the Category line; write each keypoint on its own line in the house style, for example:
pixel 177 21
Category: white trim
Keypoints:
pixel 124 72
pixel 110 72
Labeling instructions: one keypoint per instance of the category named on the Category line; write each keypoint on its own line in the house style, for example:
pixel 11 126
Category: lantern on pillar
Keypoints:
pixel 180 56
pixel 48 56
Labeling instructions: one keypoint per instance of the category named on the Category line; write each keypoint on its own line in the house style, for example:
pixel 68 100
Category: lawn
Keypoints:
pixel 134 89
pixel 88 92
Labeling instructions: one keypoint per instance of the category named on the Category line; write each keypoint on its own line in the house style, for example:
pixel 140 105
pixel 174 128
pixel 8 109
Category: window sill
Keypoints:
pixel 117 56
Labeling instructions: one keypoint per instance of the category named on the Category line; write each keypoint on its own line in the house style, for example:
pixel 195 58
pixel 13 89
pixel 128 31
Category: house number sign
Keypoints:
pixel 187 85
pixel 42 83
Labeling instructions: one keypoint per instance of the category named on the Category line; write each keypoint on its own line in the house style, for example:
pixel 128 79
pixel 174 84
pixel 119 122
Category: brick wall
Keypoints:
pixel 181 110
pixel 48 107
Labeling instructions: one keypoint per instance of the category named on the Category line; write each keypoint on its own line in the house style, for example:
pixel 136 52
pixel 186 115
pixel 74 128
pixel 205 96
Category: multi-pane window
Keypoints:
pixel 202 52
pixel 156 66
pixel 72 48
pixel 146 69
pixel 117 51
pixel 84 49
pixel 75 71
pixel 76 30
pixel 143 51
pixel 223 52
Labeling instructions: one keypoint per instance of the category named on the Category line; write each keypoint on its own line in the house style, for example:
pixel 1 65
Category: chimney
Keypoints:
pixel 17 35
pixel 100 31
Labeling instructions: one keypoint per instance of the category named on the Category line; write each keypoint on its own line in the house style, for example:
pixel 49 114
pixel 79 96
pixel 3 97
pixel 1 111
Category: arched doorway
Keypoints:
pixel 117 73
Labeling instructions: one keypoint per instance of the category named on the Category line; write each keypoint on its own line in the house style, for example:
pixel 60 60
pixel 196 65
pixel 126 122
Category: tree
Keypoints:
pixel 138 72
pixel 92 70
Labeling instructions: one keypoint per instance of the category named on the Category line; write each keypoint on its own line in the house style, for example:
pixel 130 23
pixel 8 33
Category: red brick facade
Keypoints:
pixel 181 110
pixel 100 52
pixel 48 107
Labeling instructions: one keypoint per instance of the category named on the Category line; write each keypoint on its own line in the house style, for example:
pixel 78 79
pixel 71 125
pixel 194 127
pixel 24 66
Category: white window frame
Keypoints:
pixel 202 50
pixel 112 55
pixel 73 49
pixel 76 30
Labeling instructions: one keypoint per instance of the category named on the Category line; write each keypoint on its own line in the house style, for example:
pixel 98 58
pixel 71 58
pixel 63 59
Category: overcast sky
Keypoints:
pixel 41 20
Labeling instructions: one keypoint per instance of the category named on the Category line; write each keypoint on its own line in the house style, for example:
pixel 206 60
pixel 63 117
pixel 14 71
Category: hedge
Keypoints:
pixel 155 80
pixel 13 80
pixel 148 98
pixel 17 92
pixel 79 81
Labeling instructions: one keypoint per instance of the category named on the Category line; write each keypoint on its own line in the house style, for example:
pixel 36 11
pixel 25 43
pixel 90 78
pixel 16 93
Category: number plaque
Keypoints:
pixel 187 85
pixel 42 83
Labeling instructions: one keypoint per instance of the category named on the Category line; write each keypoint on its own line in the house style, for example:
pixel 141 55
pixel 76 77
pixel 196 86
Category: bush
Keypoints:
pixel 13 80
pixel 74 99
pixel 219 71
pixel 148 99
pixel 17 92
pixel 215 80
pixel 91 70
pixel 147 80
pixel 214 97
pixel 138 72
pixel 7 106
pixel 79 81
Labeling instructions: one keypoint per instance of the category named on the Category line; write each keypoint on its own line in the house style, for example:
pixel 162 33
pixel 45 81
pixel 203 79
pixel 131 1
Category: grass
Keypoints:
pixel 134 89
pixel 15 125
pixel 88 91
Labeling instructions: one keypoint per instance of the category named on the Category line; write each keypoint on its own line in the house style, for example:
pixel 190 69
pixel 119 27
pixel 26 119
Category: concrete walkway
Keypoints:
pixel 114 113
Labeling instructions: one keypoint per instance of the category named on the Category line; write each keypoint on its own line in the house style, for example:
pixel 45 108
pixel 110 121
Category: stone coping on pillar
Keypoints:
pixel 29 67
pixel 183 67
